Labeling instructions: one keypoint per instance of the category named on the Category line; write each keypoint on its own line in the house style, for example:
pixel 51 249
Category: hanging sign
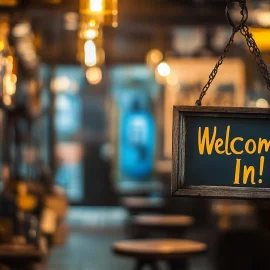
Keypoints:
pixel 221 152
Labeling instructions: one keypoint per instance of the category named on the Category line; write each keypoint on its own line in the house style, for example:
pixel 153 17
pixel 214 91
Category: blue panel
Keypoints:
pixel 68 116
pixel 67 84
pixel 137 143
pixel 134 88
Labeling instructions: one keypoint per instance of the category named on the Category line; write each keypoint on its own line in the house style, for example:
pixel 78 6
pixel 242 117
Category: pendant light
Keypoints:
pixel 100 11
pixel 91 52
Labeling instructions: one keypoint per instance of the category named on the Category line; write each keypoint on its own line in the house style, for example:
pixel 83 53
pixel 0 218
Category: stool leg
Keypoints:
pixel 141 263
pixel 154 266
pixel 177 264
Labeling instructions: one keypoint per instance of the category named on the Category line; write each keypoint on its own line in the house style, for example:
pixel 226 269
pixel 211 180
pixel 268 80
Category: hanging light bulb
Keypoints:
pixel 154 57
pixel 163 69
pixel 90 33
pixel 94 75
pixel 90 53
pixel 100 11
pixel 88 30
pixel 96 5
pixel 162 72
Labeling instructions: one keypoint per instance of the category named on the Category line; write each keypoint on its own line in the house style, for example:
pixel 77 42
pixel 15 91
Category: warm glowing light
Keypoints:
pixel 94 75
pixel 93 23
pixel 8 2
pixel 96 5
pixel 10 59
pixel 90 53
pixel 60 84
pixel 163 69
pixel 154 57
pixel 262 103
pixel 103 12
pixel 21 29
pixel 263 17
pixel 2 45
pixel 91 33
pixel 10 84
pixel 173 79
pixel 7 100
pixel 261 35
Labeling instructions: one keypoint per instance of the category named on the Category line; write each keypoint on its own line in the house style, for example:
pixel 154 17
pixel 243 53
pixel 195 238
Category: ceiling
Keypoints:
pixel 142 26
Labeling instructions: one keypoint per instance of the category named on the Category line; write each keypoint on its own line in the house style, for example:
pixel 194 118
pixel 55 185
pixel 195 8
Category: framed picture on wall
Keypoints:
pixel 187 78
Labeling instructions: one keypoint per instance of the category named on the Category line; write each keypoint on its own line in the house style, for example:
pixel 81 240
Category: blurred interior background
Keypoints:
pixel 86 94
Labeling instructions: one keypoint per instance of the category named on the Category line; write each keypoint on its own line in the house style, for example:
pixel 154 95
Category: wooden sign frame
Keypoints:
pixel 178 187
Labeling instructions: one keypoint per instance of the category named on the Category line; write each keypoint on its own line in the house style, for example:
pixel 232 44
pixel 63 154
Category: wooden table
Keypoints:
pixel 19 254
pixel 175 252
pixel 143 204
pixel 226 211
pixel 163 221
pixel 172 225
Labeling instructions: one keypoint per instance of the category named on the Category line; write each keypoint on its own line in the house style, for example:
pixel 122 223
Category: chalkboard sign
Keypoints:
pixel 221 152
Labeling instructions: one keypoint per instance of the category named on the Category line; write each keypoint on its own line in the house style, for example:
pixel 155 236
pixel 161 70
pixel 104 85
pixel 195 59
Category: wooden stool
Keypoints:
pixel 137 205
pixel 19 255
pixel 148 252
pixel 173 225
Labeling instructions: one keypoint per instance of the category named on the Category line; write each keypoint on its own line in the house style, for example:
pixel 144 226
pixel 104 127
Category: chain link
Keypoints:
pixel 215 70
pixel 255 51
pixel 253 48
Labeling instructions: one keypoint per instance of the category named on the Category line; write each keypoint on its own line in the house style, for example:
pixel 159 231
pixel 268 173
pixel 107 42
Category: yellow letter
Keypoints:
pixel 233 148
pixel 247 146
pixel 205 140
pixel 218 144
pixel 265 143
pixel 237 172
pixel 227 141
pixel 247 171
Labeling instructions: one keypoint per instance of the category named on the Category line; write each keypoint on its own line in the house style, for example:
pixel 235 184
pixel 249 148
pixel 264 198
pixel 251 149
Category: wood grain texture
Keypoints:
pixel 212 109
pixel 175 149
pixel 223 192
pixel 164 220
pixel 160 249
pixel 17 252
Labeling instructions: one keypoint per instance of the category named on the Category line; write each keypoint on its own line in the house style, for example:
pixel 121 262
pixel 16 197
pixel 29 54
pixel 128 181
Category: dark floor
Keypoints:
pixel 88 250
pixel 92 232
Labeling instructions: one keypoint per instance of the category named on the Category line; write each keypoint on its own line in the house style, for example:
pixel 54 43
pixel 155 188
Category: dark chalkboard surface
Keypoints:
pixel 221 152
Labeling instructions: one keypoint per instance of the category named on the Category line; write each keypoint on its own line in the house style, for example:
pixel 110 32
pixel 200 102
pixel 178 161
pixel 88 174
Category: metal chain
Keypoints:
pixel 255 51
pixel 215 70
pixel 253 48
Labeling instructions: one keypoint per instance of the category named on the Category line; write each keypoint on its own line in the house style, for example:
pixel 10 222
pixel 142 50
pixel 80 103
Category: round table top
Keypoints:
pixel 159 248
pixel 164 220
pixel 142 202
pixel 19 251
